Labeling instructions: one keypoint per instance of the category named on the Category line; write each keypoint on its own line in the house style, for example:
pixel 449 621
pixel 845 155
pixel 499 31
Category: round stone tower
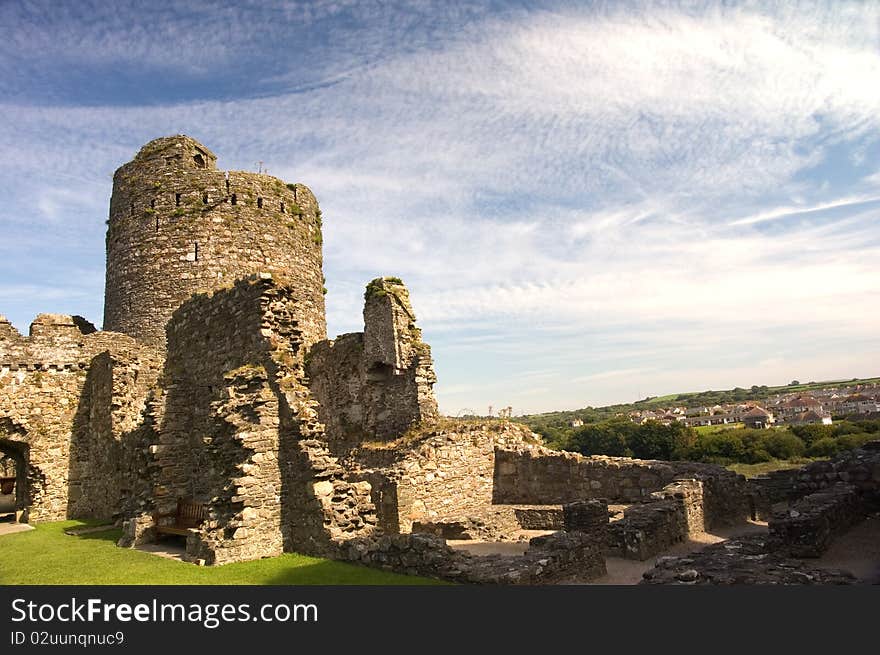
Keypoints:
pixel 179 226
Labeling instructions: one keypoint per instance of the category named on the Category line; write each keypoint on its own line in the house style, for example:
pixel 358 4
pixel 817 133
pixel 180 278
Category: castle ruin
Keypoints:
pixel 214 382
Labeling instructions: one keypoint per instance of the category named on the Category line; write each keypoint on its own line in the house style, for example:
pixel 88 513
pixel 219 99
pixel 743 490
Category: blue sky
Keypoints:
pixel 590 203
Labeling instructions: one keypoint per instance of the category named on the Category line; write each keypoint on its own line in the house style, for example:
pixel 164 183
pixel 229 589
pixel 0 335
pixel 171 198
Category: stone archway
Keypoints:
pixel 13 445
pixel 17 451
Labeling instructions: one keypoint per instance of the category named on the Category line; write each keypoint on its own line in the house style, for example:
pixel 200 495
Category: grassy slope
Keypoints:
pixel 48 556
pixel 752 470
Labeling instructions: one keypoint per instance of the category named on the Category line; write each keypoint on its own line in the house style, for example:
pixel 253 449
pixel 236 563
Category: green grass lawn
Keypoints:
pixel 752 470
pixel 712 429
pixel 48 556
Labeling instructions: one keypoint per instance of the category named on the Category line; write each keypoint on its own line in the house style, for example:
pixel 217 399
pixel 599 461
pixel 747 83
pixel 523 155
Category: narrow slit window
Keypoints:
pixel 282 207
pixel 131 209
pixel 227 184
pixel 196 250
pixel 234 199
pixel 177 199
pixel 157 225
pixel 259 203
pixel 153 204
pixel 205 198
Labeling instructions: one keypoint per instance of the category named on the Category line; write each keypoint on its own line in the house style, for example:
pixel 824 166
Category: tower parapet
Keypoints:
pixel 179 226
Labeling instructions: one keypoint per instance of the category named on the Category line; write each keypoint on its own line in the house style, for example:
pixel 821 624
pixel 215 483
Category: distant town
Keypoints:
pixel 797 408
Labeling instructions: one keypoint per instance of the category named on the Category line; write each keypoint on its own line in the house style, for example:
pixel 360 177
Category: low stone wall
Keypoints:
pixel 809 526
pixel 570 555
pixel 776 486
pixel 495 523
pixel 859 467
pixel 538 476
pixel 746 560
pixel 649 529
pixel 539 517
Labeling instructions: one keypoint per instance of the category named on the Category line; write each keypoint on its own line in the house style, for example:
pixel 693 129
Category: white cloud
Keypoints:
pixel 622 177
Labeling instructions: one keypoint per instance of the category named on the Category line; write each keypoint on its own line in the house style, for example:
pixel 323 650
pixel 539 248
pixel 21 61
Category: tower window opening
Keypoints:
pixel 234 199
pixel 177 199
pixel 199 160
pixel 205 198
pixel 282 207
pixel 259 203
pixel 153 204
pixel 196 250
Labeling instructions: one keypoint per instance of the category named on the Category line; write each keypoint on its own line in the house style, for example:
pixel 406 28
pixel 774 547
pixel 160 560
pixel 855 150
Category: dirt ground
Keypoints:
pixel 857 551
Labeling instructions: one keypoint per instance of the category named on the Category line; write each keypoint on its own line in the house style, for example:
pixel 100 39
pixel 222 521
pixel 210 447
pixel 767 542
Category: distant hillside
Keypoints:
pixel 562 419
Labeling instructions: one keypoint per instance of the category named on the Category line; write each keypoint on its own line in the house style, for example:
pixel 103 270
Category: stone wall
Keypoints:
pixel 49 423
pixel 541 476
pixel 237 431
pixel 576 554
pixel 444 469
pixel 374 385
pixel 179 226
pixel 648 529
pixel 859 467
pixel 807 528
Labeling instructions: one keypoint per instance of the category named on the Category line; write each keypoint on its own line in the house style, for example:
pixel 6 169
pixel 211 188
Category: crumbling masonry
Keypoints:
pixel 214 383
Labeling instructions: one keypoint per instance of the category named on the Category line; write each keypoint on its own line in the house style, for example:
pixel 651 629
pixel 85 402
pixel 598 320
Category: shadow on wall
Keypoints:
pixel 108 466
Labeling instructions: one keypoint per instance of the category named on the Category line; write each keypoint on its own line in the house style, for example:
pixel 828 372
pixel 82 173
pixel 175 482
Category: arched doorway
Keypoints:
pixel 14 487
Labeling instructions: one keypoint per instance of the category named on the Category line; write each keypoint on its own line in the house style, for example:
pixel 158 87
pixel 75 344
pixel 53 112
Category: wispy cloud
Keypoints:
pixel 557 198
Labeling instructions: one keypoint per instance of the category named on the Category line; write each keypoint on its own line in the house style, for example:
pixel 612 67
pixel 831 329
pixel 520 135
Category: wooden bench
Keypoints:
pixel 188 515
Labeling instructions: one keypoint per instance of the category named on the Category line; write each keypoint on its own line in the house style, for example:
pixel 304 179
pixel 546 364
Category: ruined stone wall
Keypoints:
pixel 807 528
pixel 237 431
pixel 648 529
pixel 179 226
pixel 859 467
pixel 375 385
pixel 573 555
pixel 46 417
pixel 541 476
pixel 443 470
